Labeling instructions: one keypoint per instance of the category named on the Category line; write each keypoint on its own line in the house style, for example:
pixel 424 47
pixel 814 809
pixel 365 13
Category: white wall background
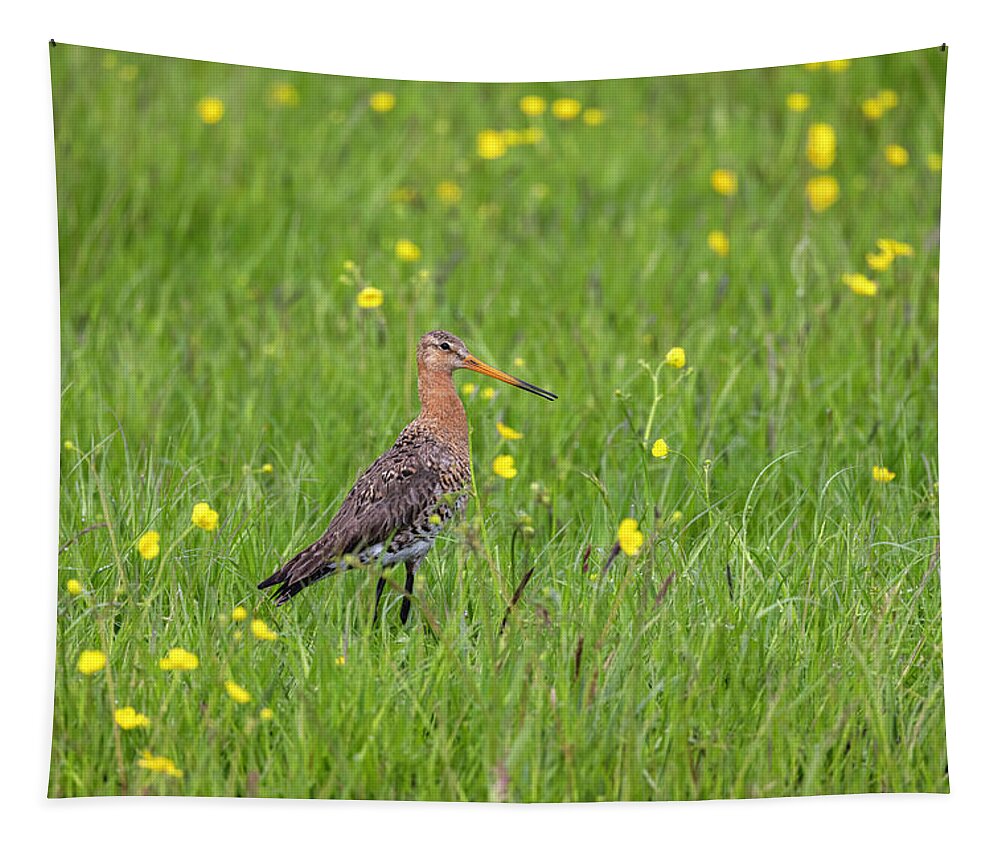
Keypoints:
pixel 527 41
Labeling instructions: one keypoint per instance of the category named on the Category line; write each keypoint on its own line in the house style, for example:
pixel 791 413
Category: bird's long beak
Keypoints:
pixel 478 366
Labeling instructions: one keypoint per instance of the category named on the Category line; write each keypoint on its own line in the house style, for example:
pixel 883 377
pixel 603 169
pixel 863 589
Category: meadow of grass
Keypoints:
pixel 779 630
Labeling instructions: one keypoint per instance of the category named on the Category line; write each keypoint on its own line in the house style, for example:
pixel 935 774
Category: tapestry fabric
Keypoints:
pixel 567 441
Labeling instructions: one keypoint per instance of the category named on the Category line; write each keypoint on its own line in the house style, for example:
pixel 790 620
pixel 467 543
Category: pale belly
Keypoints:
pixel 412 551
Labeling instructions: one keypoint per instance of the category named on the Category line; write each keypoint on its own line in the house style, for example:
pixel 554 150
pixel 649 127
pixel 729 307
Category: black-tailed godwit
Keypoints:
pixel 401 502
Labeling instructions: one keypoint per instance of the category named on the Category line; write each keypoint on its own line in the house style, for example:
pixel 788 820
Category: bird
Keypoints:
pixel 399 505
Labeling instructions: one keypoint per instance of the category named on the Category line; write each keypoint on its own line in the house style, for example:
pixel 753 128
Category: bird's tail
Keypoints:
pixel 300 571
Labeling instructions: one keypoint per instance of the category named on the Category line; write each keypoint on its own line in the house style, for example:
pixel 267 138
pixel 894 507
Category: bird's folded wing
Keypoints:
pixel 390 506
pixel 377 509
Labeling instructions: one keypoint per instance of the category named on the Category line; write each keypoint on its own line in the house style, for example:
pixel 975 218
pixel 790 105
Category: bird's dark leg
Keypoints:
pixel 411 571
pixel 378 596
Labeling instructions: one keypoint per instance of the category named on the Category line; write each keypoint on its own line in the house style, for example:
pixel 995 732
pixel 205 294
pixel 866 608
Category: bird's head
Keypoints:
pixel 439 351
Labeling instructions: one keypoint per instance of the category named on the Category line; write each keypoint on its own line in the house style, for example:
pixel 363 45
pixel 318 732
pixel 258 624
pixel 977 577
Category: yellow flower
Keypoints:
pixel 895 247
pixel 872 108
pixel 518 362
pixel 211 110
pixel 69 445
pixel 382 101
pixel 813 66
pixel 488 393
pixel 838 65
pixel 267 468
pixel 262 631
pixel 159 764
pixel 239 614
pixel 204 517
pixel 592 116
pixel 882 475
pixel 797 102
pixel 74 587
pixel 566 109
pixel 860 285
pixel 403 195
pixel 266 714
pixel 490 144
pixel 370 297
pixel 507 433
pixel 888 98
pixel 629 537
pixel 340 660
pixel 449 192
pixel 468 388
pixel 407 250
pixel 91 661
pixel 724 181
pixel 934 162
pixel 896 155
pixel 660 448
pixel 676 517
pixel 718 242
pixel 881 261
pixel 237 635
pixel 179 659
pixel 676 357
pixel 283 94
pixel 821 145
pixel 532 105
pixel 532 135
pixel 128 719
pixel 511 137
pixel 503 466
pixel 823 192
pixel 237 692
pixel 149 545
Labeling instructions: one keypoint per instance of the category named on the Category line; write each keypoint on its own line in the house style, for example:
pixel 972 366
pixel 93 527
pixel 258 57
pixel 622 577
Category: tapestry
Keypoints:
pixel 555 442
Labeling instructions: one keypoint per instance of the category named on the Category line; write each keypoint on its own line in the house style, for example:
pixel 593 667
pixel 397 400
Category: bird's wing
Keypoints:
pixel 390 495
pixel 386 498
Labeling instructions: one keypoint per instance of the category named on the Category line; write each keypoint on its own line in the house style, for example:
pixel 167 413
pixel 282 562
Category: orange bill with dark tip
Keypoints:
pixel 478 366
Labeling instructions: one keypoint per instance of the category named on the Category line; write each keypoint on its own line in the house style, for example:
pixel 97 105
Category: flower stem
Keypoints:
pixel 106 508
pixel 109 677
pixel 657 398
pixel 163 562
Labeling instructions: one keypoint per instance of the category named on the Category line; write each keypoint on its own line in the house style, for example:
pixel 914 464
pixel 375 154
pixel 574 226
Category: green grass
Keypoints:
pixel 206 331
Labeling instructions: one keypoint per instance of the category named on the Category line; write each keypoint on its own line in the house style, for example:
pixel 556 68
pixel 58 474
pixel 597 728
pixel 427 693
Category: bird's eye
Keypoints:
pixel 446 347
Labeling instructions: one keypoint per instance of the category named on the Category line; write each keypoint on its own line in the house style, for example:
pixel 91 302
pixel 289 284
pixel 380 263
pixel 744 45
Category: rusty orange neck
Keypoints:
pixel 440 406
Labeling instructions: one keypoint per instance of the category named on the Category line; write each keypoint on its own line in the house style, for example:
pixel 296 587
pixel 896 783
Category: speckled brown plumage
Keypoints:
pixel 400 503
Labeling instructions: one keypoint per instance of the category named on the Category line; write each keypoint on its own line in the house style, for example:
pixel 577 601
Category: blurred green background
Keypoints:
pixel 216 226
